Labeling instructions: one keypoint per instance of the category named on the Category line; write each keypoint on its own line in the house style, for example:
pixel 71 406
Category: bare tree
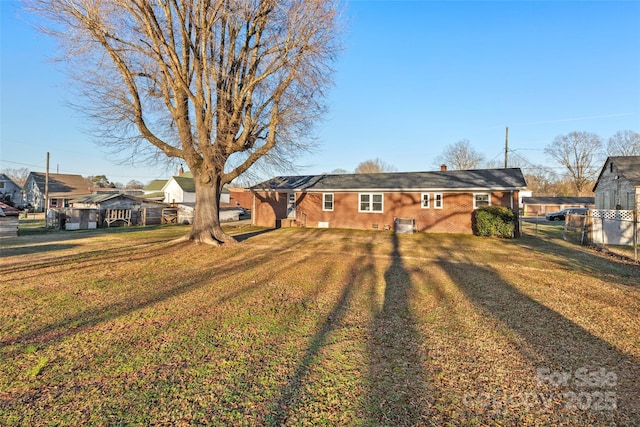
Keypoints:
pixel 580 153
pixel 220 84
pixel 135 184
pixel 624 143
pixel 460 155
pixel 19 176
pixel 374 166
pixel 339 171
pixel 541 180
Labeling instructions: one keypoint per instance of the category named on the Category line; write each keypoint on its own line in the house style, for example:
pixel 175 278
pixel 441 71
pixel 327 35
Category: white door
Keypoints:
pixel 291 205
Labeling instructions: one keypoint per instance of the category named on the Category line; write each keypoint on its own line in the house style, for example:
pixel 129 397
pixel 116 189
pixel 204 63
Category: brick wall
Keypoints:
pixel 241 197
pixel 454 217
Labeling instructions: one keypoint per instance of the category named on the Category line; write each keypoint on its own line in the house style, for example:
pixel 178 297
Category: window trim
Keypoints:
pixel 437 205
pixel 475 206
pixel 428 200
pixel 371 202
pixel 324 202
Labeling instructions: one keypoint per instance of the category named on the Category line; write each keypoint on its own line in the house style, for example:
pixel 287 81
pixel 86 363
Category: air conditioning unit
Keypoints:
pixel 404 225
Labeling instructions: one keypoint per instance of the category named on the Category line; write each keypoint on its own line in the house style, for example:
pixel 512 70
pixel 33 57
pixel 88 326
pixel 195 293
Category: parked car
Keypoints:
pixel 560 215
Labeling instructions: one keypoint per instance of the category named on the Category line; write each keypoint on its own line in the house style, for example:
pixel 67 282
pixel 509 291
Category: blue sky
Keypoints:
pixel 415 77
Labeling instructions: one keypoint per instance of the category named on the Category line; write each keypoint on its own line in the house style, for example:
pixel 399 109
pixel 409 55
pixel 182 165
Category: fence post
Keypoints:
pixel 635 235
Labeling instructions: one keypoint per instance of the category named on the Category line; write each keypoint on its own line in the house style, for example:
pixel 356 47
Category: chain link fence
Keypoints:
pixel 615 230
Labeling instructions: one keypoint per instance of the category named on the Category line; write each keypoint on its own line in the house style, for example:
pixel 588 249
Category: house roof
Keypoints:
pixel 559 200
pixel 61 185
pixel 155 185
pixel 468 180
pixel 101 197
pixel 6 210
pixel 5 177
pixel 628 167
pixel 186 183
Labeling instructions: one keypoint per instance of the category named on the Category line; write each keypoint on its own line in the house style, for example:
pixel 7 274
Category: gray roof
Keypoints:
pixel 61 185
pixel 456 180
pixel 102 197
pixel 628 167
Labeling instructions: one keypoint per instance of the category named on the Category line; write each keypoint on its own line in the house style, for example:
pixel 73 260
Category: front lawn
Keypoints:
pixel 316 327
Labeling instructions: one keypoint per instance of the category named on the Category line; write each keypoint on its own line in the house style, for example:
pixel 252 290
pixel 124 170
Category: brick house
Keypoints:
pixel 440 202
pixel 618 185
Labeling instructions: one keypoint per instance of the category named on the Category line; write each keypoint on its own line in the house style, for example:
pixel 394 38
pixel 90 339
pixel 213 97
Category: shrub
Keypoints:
pixel 498 221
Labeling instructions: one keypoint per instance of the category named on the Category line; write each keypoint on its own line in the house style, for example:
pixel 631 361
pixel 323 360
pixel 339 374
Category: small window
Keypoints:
pixel 481 199
pixel 1 184
pixel 371 202
pixel 425 200
pixel 437 201
pixel 327 201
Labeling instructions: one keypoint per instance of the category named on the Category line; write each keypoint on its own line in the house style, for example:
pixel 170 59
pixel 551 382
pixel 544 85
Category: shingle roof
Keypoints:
pixel 99 198
pixel 186 183
pixel 481 179
pixel 64 185
pixel 155 185
pixel 628 167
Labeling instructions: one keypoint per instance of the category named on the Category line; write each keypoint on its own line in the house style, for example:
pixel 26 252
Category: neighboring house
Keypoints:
pixel 62 189
pixel 618 185
pixel 153 190
pixel 92 211
pixel 181 189
pixel 441 201
pixel 240 197
pixel 10 192
pixel 542 205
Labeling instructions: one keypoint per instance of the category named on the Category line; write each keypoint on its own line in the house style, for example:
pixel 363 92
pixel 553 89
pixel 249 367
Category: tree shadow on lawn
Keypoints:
pixel 36 249
pixel 556 345
pixel 398 384
pixel 180 283
pixel 579 258
pixel 288 400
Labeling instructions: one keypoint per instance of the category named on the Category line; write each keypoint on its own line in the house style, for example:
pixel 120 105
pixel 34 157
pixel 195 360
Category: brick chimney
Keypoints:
pixel 443 168
pixel 181 171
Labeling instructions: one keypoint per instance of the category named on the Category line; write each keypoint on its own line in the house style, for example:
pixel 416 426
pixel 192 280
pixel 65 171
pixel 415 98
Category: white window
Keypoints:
pixel 370 202
pixel 437 200
pixel 327 201
pixel 481 199
pixel 425 200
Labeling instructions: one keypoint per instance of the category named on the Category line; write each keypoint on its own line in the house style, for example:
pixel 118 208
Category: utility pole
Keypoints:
pixel 46 187
pixel 506 148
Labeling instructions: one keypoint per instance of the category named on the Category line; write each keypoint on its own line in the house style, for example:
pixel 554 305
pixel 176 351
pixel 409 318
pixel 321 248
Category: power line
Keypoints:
pixel 78 172
pixel 21 164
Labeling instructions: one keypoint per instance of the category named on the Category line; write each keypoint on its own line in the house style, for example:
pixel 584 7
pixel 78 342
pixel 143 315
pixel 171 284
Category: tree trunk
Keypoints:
pixel 206 220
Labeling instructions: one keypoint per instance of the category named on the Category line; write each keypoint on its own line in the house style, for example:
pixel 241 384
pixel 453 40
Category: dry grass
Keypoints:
pixel 316 327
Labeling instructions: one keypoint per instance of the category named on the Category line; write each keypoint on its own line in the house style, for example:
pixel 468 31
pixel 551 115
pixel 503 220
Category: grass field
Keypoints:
pixel 316 327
